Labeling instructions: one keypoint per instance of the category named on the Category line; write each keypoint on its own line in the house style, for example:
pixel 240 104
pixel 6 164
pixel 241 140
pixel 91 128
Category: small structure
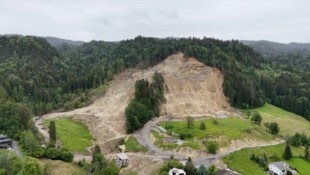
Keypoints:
pixel 121 159
pixel 278 168
pixel 5 142
pixel 176 171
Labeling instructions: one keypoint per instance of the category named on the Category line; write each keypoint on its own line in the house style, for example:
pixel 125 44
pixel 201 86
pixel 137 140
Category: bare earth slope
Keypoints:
pixel 192 89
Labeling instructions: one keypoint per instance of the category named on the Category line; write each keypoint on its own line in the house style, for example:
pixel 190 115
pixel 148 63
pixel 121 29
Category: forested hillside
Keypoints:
pixel 40 78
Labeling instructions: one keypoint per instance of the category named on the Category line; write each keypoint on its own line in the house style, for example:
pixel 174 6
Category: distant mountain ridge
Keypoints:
pixel 54 41
pixel 269 48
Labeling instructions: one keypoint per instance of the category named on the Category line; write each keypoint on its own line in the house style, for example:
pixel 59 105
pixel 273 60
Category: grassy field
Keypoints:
pixel 132 145
pixel 73 134
pixel 224 131
pixel 240 162
pixel 289 123
pixel 57 167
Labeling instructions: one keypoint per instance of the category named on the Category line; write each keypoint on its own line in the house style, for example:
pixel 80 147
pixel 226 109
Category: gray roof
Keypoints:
pixel 5 140
pixel 280 165
pixel 122 156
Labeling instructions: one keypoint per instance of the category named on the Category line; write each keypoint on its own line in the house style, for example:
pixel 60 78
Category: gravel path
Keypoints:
pixel 143 136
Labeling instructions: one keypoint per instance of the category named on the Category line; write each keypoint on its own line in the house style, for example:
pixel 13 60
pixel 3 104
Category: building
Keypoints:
pixel 121 159
pixel 5 142
pixel 226 172
pixel 278 168
pixel 175 171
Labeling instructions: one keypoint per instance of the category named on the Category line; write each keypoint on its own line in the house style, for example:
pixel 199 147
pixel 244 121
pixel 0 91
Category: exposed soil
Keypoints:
pixel 192 89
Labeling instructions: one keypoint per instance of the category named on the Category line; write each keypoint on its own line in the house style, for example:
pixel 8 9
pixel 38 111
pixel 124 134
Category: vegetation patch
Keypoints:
pixel 288 122
pixel 221 130
pixel 57 167
pixel 240 160
pixel 73 134
pixel 133 145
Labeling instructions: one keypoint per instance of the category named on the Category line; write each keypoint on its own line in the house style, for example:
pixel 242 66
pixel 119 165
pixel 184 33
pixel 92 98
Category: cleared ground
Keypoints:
pixel 239 161
pixel 192 89
pixel 73 135
pixel 289 123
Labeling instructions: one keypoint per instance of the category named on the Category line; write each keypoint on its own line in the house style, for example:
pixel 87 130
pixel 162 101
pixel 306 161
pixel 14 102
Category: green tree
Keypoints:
pixel 52 132
pixel 256 118
pixel 211 170
pixel 202 170
pixel 307 154
pixel 272 127
pixel 189 167
pixel 287 152
pixel 202 126
pixel 212 147
pixel 189 122
pixel 31 167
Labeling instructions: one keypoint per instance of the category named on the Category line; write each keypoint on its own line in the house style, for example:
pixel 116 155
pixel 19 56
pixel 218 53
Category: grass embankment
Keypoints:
pixel 288 122
pixel 73 134
pixel 239 161
pixel 223 131
pixel 132 145
pixel 57 167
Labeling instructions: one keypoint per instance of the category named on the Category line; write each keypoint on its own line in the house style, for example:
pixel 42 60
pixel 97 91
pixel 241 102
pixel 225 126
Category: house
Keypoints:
pixel 121 159
pixel 176 171
pixel 5 142
pixel 278 168
pixel 226 172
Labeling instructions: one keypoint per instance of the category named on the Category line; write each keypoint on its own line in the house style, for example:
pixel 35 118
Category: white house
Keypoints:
pixel 278 168
pixel 121 159
pixel 175 171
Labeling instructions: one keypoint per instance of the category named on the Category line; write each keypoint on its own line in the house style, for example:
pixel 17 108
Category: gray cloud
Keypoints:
pixel 283 21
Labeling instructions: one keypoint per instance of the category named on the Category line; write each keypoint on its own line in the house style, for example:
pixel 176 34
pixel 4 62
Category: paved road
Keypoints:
pixel 16 149
pixel 143 136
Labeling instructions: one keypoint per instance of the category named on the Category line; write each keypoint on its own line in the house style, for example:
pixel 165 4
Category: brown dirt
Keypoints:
pixel 192 89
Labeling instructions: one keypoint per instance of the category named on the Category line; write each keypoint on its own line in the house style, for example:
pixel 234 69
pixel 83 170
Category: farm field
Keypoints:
pixel 289 123
pixel 239 161
pixel 223 130
pixel 73 134
pixel 57 167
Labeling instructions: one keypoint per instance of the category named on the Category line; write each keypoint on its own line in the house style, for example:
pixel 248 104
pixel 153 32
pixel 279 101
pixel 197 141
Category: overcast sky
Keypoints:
pixel 275 20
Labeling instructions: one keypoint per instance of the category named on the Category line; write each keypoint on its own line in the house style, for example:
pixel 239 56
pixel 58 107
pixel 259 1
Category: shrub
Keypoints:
pixel 202 126
pixel 212 147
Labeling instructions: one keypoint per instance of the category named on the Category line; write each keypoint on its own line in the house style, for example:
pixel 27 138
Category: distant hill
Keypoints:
pixel 57 42
pixel 268 48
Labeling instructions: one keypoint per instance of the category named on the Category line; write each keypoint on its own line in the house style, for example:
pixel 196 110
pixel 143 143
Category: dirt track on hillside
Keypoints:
pixel 192 89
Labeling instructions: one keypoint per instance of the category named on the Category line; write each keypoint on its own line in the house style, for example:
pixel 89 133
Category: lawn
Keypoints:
pixel 239 161
pixel 224 131
pixel 73 134
pixel 132 145
pixel 289 123
pixel 57 167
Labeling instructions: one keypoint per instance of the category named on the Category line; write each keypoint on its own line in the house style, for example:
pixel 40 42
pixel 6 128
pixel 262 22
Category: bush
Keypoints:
pixel 66 155
pixel 60 154
pixel 256 118
pixel 212 147
pixel 214 121
pixel 202 126
pixel 53 153
pixel 272 128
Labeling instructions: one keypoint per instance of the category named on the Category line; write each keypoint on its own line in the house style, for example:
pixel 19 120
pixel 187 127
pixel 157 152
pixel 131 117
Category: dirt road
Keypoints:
pixel 144 139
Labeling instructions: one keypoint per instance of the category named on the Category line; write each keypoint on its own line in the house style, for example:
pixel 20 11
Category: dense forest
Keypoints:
pixel 146 103
pixel 37 78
